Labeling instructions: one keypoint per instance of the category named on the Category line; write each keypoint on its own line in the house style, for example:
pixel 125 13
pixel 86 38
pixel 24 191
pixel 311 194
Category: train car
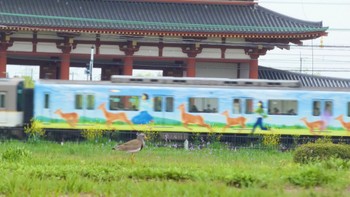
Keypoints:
pixel 170 104
pixel 11 103
pixel 16 107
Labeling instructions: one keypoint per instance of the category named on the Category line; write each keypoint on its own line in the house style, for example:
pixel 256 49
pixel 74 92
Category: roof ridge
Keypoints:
pixel 218 2
pixel 269 11
pixel 199 18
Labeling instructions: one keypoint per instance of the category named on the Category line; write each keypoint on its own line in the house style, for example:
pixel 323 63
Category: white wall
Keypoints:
pixel 244 70
pixel 216 70
pixel 173 52
pixel 147 51
pixel 210 53
pixel 21 46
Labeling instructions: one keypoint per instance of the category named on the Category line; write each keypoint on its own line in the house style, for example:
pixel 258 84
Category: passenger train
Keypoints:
pixel 170 104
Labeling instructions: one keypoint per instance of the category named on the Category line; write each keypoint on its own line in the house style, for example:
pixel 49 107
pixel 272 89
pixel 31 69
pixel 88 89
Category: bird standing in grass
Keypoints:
pixel 132 146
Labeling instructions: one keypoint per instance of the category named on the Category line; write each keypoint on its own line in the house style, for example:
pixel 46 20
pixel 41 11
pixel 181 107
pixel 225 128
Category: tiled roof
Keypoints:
pixel 114 16
pixel 305 79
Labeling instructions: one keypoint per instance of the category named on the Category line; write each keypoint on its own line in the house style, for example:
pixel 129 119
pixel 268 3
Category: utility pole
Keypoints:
pixel 312 54
pixel 301 64
pixel 91 62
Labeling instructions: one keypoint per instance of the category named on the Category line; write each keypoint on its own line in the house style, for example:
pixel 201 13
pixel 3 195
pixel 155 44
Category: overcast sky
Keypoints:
pixel 333 59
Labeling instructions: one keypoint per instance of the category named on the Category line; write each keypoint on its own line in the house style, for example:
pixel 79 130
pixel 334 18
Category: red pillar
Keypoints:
pixel 191 67
pixel 64 74
pixel 253 69
pixel 128 62
pixel 3 62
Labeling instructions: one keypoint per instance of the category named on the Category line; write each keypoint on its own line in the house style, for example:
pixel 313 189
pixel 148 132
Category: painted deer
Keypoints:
pixel 233 121
pixel 319 124
pixel 187 118
pixel 346 125
pixel 112 117
pixel 71 118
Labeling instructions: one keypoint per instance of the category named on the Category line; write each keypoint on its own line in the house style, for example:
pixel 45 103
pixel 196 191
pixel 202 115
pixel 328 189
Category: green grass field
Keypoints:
pixel 93 169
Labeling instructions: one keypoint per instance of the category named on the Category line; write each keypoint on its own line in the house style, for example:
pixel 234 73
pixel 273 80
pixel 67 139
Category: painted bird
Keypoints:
pixel 132 146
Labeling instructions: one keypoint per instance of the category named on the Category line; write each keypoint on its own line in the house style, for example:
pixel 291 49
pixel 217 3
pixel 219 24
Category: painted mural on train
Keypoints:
pixel 180 108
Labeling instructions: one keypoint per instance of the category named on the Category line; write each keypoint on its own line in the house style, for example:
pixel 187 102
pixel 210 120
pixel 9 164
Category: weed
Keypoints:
pixel 28 82
pixel 73 185
pixel 161 174
pixel 241 180
pixel 93 134
pixel 336 163
pixel 311 176
pixel 214 141
pixel 151 134
pixel 271 140
pixel 15 154
pixel 196 139
pixel 34 131
pixel 295 140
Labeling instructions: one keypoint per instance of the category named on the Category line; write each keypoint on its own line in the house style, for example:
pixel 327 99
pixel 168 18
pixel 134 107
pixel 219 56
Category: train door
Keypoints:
pixel 84 105
pixel 163 106
pixel 246 109
pixel 242 106
pixel 322 107
pixel 3 114
pixel 237 108
pixel 46 109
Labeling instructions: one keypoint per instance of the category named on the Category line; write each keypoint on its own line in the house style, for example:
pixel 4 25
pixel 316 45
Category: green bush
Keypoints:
pixel 321 151
pixel 311 176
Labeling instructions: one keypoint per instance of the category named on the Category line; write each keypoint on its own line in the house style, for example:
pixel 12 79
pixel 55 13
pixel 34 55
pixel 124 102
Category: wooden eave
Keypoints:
pixel 296 36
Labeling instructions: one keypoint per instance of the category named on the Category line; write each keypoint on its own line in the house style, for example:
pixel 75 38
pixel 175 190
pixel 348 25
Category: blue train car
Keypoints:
pixel 192 105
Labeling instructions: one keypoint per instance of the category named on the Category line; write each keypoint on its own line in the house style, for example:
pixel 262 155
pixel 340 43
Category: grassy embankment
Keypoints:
pixel 93 169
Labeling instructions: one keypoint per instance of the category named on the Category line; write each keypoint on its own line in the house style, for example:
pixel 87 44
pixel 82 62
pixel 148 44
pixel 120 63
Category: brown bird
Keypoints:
pixel 132 146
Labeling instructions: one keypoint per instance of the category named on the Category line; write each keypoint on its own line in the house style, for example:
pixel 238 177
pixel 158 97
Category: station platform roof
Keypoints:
pixel 307 80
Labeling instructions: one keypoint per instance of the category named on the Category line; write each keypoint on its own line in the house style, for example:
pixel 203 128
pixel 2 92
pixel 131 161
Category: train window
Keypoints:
pixel 236 106
pixel 20 96
pixel 316 111
pixel 169 104
pixel 328 108
pixel 90 102
pixel 124 103
pixel 249 106
pixel 203 105
pixel 157 104
pixel 2 100
pixel 283 107
pixel 47 101
pixel 78 101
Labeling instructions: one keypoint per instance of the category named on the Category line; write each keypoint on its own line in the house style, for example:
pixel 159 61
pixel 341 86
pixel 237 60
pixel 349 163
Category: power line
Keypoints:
pixel 305 2
pixel 338 29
